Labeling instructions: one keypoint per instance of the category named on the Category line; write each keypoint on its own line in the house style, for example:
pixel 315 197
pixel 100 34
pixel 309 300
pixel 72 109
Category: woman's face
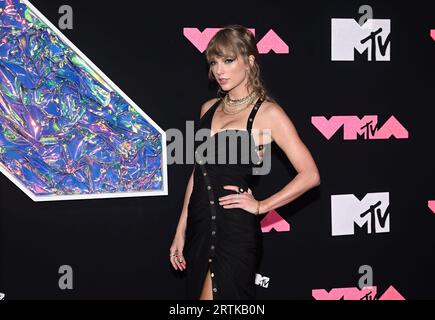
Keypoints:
pixel 229 72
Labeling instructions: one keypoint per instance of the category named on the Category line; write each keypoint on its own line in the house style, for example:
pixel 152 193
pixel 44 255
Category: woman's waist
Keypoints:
pixel 213 184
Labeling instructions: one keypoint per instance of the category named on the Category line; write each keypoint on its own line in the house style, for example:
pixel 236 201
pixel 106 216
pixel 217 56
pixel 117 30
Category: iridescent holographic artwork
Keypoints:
pixel 66 131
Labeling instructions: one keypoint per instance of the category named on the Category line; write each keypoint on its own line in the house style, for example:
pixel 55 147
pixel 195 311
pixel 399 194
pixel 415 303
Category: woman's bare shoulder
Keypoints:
pixel 271 111
pixel 271 115
pixel 207 105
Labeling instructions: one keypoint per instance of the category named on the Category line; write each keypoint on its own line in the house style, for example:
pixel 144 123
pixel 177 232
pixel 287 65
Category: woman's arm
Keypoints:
pixel 176 255
pixel 272 117
pixel 181 228
pixel 177 246
pixel 286 137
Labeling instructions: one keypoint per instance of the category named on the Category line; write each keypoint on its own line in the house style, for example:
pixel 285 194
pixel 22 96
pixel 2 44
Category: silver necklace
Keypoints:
pixel 237 102
pixel 234 110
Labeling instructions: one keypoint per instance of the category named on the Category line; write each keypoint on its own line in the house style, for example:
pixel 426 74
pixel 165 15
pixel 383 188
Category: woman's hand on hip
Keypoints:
pixel 243 199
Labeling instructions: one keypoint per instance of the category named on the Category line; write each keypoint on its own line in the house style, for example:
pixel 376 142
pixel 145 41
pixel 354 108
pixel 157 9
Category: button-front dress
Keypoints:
pixel 226 241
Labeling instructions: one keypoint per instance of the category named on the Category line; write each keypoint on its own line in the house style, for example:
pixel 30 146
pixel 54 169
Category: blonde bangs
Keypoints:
pixel 221 46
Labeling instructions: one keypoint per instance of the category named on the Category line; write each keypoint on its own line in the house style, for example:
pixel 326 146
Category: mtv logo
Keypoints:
pixel 261 281
pixel 372 212
pixel 352 293
pixel 373 38
pixel 353 127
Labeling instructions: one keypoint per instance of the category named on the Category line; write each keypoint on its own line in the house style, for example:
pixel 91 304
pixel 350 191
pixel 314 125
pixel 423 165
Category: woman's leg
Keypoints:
pixel 206 293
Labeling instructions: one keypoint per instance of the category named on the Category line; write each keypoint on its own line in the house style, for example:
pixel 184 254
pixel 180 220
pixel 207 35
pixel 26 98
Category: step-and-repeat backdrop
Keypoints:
pixel 90 196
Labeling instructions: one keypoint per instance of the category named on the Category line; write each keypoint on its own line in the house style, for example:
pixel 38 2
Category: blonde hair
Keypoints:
pixel 232 41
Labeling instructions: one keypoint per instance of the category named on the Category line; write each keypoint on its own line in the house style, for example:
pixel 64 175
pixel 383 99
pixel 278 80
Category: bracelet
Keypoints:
pixel 258 208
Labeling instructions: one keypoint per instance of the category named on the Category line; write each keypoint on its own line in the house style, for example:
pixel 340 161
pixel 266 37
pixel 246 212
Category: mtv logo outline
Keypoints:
pixel 262 280
pixel 372 212
pixel 373 37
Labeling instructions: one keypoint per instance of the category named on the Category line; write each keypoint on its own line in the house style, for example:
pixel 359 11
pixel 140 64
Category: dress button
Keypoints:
pixel 213 233
pixel 210 260
pixel 214 290
pixel 250 119
pixel 212 247
pixel 212 202
pixel 204 174
pixel 212 275
pixel 213 217
pixel 209 187
pixel 241 190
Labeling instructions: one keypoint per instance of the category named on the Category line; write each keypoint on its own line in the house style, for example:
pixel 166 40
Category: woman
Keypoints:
pixel 218 239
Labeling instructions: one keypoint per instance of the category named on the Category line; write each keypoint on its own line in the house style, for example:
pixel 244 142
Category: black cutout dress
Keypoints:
pixel 226 241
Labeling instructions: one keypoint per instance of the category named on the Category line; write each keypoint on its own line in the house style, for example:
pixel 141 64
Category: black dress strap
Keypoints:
pixel 253 114
pixel 210 111
pixel 216 104
pixel 251 121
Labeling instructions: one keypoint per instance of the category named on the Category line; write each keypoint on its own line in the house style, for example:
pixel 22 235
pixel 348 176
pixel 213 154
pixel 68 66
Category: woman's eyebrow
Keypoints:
pixel 230 55
pixel 223 57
